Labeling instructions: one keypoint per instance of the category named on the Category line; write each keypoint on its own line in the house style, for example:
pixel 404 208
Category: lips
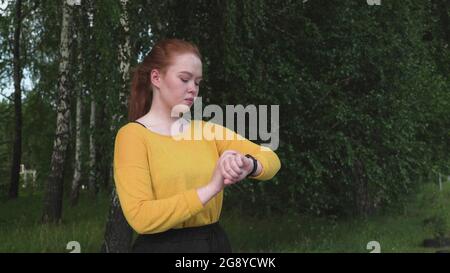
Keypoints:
pixel 189 99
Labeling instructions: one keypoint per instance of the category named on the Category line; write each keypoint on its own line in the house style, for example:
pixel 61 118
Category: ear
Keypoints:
pixel 155 77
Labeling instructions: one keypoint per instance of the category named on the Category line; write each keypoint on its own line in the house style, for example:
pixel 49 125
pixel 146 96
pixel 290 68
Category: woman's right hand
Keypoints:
pixel 218 180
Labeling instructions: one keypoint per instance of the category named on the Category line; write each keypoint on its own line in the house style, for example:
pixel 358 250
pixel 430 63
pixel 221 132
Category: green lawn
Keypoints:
pixel 400 230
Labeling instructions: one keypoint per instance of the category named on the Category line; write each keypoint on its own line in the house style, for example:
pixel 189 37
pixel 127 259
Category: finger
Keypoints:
pixel 232 181
pixel 239 161
pixel 235 172
pixel 235 166
pixel 225 174
pixel 228 182
pixel 230 170
pixel 225 156
pixel 247 161
pixel 223 171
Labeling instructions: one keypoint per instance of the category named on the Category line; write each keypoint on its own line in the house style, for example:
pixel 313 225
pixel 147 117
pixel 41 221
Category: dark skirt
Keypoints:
pixel 204 239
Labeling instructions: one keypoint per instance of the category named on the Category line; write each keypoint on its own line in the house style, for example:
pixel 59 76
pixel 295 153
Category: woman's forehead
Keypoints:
pixel 187 63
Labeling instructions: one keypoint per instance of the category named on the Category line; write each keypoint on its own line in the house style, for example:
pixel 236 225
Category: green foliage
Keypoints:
pixel 38 139
pixel 364 108
pixel 438 223
pixel 362 90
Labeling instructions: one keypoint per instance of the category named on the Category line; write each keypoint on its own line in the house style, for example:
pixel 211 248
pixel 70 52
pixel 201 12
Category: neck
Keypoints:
pixel 159 115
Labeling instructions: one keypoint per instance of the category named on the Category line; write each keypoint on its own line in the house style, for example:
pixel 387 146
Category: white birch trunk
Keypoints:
pixel 54 191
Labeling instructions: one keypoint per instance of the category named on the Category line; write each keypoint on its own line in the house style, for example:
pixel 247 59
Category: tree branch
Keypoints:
pixel 6 97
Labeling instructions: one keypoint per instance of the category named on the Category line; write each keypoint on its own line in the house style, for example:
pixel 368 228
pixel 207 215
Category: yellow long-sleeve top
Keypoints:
pixel 157 176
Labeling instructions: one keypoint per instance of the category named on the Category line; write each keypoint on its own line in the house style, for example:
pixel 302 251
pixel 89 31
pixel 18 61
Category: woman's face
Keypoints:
pixel 179 85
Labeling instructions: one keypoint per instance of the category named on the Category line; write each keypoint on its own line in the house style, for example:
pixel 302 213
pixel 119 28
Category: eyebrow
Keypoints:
pixel 190 74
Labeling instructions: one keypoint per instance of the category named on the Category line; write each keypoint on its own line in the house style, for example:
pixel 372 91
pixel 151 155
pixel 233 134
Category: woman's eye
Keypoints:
pixel 187 80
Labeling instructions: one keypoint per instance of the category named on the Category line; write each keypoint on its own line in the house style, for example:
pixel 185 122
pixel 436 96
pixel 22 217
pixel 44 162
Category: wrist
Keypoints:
pixel 253 167
pixel 214 187
pixel 259 169
pixel 207 192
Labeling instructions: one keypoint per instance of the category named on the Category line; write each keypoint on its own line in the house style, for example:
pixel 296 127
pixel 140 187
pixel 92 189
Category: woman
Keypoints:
pixel 170 186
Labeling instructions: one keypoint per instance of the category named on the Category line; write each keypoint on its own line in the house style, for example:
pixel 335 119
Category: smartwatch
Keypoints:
pixel 255 164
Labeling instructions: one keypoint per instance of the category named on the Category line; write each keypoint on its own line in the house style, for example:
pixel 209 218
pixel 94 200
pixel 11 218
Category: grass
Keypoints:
pixel 400 230
pixel 21 231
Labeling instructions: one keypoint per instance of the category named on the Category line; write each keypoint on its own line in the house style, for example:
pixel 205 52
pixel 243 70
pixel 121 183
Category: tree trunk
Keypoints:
pixel 76 180
pixel 78 142
pixel 54 192
pixel 92 151
pixel 363 204
pixel 118 233
pixel 17 148
pixel 92 176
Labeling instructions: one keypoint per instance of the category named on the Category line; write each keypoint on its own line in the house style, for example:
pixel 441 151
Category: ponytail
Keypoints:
pixel 141 93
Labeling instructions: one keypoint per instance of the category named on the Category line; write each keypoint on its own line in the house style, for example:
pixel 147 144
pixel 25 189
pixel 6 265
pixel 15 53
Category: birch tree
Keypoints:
pixel 54 190
pixel 80 86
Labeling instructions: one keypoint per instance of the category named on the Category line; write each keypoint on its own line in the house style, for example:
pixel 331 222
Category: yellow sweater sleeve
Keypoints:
pixel 226 139
pixel 143 211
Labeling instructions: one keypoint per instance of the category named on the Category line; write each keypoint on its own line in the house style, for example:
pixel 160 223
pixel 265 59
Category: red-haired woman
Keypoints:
pixel 170 184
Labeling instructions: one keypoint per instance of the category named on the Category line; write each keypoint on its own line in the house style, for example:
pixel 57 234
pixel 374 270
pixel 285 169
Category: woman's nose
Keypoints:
pixel 192 88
